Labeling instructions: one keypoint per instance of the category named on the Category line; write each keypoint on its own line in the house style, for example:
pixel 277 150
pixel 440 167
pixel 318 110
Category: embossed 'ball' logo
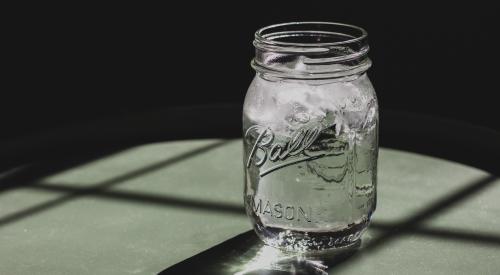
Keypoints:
pixel 303 145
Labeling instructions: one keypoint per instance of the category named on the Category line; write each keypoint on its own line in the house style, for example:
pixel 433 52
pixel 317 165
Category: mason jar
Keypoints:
pixel 310 126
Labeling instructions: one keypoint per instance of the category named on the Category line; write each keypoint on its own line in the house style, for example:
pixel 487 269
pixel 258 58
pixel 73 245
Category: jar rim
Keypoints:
pixel 311 50
pixel 271 36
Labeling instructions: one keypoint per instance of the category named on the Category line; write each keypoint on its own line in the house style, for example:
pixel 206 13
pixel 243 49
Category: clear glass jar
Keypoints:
pixel 310 126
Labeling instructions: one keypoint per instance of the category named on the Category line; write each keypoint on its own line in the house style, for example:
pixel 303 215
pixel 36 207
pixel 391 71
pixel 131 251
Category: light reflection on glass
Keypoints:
pixel 263 259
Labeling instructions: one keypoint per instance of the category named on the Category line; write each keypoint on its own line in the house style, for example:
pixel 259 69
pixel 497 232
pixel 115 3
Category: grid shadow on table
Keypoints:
pixel 97 188
pixel 218 257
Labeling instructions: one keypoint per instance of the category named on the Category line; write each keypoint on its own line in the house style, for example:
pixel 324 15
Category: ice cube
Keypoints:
pixel 285 106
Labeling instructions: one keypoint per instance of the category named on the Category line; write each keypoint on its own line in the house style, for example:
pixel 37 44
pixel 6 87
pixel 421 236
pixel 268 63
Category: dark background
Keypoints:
pixel 74 65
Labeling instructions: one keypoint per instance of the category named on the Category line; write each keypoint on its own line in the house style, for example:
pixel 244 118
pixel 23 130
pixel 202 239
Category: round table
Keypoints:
pixel 177 207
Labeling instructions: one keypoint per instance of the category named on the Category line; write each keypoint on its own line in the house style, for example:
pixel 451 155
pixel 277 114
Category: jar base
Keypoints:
pixel 304 241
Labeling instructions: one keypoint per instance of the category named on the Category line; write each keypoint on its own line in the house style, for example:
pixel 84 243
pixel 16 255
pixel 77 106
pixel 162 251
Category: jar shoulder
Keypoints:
pixel 283 96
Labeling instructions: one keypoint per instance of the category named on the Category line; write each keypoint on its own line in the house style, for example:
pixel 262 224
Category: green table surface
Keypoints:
pixel 144 209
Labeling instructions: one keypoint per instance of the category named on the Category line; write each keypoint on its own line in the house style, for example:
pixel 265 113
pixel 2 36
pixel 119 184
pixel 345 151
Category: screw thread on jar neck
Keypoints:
pixel 311 50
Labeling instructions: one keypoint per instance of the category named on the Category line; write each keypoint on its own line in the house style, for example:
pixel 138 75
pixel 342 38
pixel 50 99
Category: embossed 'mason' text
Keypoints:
pixel 280 210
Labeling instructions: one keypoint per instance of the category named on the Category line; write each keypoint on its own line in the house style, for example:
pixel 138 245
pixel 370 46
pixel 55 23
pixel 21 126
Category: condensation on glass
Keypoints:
pixel 310 126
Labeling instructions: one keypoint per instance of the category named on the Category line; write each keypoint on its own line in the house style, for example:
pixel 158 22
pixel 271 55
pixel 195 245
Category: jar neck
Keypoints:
pixel 311 50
